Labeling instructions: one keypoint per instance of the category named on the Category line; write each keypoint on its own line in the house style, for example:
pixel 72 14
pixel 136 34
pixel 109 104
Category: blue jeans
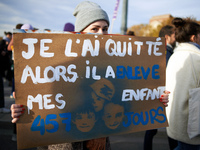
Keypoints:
pixel 184 146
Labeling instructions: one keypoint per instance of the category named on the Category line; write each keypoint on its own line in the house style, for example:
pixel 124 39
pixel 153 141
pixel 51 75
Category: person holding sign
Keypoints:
pixel 182 76
pixel 90 18
pixel 168 32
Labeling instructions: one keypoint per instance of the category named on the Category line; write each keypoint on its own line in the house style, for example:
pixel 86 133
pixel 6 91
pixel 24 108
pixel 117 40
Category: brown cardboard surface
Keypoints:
pixel 80 86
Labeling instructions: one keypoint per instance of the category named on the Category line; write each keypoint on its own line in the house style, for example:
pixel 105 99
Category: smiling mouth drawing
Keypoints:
pixel 115 124
pixel 84 126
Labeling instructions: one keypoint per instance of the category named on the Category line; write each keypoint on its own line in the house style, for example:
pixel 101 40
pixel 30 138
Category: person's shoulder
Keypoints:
pixel 186 46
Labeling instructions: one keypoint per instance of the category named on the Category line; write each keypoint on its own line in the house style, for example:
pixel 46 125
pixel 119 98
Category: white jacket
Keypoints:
pixel 179 79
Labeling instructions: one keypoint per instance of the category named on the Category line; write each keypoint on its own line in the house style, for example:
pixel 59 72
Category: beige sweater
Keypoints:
pixel 179 79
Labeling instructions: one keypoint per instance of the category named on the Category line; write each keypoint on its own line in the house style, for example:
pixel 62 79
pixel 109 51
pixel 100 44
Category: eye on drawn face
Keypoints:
pixel 100 27
pixel 113 115
pixel 98 102
pixel 85 121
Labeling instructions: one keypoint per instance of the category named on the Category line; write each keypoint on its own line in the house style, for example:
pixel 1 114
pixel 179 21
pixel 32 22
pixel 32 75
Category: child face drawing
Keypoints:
pixel 104 89
pixel 85 121
pixel 113 115
pixel 98 102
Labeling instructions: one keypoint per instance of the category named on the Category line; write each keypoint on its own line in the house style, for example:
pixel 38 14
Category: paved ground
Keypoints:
pixel 133 141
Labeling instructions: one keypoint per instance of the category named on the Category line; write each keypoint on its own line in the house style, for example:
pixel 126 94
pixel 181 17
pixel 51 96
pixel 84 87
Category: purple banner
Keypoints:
pixel 116 9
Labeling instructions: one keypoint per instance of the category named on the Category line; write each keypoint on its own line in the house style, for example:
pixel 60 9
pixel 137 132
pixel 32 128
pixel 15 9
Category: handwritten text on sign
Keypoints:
pixel 73 84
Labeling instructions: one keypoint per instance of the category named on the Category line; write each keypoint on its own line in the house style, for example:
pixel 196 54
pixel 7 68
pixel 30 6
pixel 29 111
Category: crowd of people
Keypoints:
pixel 5 68
pixel 182 55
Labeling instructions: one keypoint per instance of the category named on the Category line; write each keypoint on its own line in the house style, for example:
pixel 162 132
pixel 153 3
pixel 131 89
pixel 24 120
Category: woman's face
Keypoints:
pixel 100 27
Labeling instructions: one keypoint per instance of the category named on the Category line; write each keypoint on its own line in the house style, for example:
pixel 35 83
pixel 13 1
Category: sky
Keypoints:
pixel 53 14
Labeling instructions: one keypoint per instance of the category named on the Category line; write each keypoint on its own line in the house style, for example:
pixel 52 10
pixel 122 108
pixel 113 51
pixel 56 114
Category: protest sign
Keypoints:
pixel 77 87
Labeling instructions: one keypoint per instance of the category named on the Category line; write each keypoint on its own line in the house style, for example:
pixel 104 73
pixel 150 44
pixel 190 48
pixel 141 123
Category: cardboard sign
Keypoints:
pixel 77 87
